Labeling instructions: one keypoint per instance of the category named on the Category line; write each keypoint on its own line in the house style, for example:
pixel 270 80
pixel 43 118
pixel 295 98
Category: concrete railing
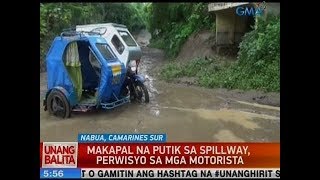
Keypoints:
pixel 221 6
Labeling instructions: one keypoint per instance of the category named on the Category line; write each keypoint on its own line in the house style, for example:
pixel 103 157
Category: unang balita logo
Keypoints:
pixel 59 154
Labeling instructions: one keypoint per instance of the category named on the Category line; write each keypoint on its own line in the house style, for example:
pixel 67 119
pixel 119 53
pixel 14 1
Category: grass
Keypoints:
pixel 217 73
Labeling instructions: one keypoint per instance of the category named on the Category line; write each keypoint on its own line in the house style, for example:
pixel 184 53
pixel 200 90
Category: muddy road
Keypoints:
pixel 185 113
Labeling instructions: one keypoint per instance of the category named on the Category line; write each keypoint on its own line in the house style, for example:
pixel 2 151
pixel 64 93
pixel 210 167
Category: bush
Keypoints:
pixel 259 55
pixel 258 65
pixel 261 46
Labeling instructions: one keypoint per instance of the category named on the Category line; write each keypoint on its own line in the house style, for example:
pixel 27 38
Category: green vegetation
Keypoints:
pixel 54 17
pixel 198 67
pixel 258 65
pixel 172 23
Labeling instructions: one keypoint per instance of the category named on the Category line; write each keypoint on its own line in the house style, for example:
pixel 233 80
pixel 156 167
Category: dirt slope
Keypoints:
pixel 202 44
pixel 198 45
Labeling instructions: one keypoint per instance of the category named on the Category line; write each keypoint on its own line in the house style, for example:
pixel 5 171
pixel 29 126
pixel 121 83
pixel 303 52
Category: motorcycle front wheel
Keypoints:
pixel 142 93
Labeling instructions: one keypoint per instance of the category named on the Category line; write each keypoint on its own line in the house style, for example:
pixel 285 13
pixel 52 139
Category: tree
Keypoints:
pixel 54 17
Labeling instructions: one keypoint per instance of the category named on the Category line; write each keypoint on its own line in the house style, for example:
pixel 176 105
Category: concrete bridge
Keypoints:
pixel 230 26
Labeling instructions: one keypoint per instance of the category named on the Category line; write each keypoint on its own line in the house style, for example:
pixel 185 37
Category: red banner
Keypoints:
pixel 174 155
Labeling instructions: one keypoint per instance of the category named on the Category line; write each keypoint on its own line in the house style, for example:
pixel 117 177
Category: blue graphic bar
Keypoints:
pixel 58 173
pixel 122 138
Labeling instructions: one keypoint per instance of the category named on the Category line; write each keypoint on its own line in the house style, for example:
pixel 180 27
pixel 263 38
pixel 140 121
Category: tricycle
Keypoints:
pixel 83 74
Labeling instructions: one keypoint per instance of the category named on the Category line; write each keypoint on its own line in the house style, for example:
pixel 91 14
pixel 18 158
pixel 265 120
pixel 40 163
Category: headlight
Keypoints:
pixel 133 65
pixel 133 68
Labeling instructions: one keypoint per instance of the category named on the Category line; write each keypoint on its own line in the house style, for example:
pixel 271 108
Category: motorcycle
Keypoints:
pixel 135 84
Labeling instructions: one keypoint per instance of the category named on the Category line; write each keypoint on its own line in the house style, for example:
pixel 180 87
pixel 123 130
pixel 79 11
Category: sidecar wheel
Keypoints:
pixel 58 104
pixel 143 95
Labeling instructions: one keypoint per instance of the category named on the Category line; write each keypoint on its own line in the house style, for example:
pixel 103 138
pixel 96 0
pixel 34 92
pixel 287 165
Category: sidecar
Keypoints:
pixel 83 73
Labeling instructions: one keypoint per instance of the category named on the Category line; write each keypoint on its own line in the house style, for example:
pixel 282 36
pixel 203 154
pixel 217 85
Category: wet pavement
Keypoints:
pixel 184 113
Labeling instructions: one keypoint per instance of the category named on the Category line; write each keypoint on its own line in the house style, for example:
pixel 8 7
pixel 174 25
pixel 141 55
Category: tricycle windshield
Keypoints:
pixel 105 51
pixel 127 38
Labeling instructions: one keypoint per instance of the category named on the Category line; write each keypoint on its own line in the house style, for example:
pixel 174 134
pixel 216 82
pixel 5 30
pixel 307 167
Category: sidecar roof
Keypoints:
pixel 60 43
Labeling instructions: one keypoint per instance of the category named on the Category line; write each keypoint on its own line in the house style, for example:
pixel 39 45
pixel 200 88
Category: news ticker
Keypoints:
pixel 153 173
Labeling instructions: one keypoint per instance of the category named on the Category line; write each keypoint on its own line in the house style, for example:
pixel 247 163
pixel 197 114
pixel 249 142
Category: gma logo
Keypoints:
pixel 249 11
